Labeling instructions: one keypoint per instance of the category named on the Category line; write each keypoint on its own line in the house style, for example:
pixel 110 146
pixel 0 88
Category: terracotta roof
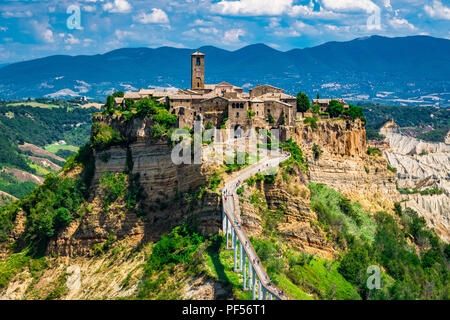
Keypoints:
pixel 132 95
pixel 267 85
pixel 276 96
pixel 197 53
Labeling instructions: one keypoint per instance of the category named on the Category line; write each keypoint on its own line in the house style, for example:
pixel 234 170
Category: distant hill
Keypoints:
pixel 407 70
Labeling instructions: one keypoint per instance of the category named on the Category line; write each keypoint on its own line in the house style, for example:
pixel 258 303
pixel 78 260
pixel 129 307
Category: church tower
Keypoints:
pixel 197 71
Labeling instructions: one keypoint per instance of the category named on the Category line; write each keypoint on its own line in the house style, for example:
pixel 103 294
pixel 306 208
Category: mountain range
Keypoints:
pixel 403 70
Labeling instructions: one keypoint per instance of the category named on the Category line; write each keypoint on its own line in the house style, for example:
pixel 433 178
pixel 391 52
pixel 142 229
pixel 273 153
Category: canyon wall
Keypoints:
pixel 345 165
pixel 167 197
pixel 421 165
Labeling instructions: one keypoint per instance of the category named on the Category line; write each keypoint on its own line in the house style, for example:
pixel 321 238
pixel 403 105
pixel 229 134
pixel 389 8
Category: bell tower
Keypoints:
pixel 197 70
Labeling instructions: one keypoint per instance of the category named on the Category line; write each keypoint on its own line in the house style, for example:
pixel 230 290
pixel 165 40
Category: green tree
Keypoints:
pixel 303 103
pixel 109 105
pixel 335 109
pixel 354 112
pixel 118 94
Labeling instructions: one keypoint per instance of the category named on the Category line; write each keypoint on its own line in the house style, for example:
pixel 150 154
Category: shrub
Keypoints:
pixel 394 170
pixel 316 151
pixel 296 154
pixel 103 136
pixel 113 187
pixel 312 121
pixel 177 247
pixel 374 151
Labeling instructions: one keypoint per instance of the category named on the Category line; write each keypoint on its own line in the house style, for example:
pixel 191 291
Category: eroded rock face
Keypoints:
pixel 163 202
pixel 421 165
pixel 292 196
pixel 336 137
pixel 344 164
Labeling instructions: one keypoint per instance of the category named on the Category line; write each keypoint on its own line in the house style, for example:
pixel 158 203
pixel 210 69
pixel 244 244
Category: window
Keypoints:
pixel 237 114
pixel 198 61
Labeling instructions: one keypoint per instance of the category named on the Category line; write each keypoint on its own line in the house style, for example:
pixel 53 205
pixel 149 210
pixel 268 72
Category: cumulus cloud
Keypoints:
pixel 270 8
pixel 400 23
pixel 47 35
pixel 438 10
pixel 350 5
pixel 89 8
pixel 118 6
pixel 157 16
pixel 232 36
pixel 252 7
pixel 71 40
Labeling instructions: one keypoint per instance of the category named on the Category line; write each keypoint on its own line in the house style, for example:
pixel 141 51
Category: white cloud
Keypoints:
pixel 232 36
pixel 89 8
pixel 253 7
pixel 350 5
pixel 156 16
pixel 399 23
pixel 17 14
pixel 118 6
pixel 48 35
pixel 270 8
pixel 438 10
pixel 3 28
pixel 71 39
pixel 208 31
pixel 200 23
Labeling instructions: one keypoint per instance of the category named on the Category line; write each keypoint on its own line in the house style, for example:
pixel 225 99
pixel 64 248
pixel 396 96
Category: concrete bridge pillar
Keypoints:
pixel 235 247
pixel 244 272
pixel 254 283
pixel 233 234
pixel 259 290
pixel 241 255
pixel 249 273
pixel 226 231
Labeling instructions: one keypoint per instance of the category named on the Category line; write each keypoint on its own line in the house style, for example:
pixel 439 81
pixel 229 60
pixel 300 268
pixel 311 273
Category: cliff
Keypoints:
pixel 163 201
pixel 344 164
pixel 420 166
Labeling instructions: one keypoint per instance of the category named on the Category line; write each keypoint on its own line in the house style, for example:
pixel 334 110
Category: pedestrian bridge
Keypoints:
pixel 246 260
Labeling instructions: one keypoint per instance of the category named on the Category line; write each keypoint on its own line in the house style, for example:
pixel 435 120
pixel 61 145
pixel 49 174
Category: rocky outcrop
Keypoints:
pixel 421 165
pixel 344 164
pixel 407 145
pixel 336 137
pixel 167 197
pixel 290 195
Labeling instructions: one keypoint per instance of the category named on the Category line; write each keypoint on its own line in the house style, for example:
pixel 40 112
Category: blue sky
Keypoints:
pixel 32 29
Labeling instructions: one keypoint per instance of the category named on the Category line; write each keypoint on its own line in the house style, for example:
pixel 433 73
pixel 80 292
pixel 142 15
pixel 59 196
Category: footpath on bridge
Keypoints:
pixel 245 258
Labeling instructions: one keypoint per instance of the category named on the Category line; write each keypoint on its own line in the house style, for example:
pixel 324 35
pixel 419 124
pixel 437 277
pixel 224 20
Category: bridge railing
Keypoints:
pixel 249 252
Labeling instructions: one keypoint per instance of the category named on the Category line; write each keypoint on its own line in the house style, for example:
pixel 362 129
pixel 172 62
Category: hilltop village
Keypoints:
pixel 224 105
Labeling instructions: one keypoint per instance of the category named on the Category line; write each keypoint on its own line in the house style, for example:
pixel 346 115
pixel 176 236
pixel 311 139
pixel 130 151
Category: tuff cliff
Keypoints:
pixel 420 166
pixel 343 163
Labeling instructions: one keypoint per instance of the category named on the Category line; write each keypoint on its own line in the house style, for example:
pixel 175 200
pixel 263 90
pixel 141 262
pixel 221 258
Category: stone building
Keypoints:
pixel 325 103
pixel 223 104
